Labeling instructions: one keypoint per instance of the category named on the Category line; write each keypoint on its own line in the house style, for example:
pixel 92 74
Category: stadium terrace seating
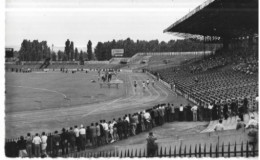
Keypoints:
pixel 215 78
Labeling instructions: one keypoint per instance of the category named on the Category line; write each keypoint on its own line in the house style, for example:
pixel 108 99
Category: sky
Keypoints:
pixel 97 20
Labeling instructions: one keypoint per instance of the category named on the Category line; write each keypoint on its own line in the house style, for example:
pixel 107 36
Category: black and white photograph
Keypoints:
pixel 130 79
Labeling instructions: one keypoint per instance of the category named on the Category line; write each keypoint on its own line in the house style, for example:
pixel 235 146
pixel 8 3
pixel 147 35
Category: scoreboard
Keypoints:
pixel 9 52
pixel 117 52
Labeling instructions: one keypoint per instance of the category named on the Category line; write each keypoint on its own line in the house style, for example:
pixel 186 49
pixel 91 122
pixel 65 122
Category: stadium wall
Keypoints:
pixel 173 53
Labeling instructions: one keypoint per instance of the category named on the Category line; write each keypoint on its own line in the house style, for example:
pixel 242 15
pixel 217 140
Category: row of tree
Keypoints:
pixel 103 50
pixel 35 51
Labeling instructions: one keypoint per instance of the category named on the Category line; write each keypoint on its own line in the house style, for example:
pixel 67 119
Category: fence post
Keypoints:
pixel 121 155
pixel 170 151
pixel 165 152
pixel 195 150
pixel 136 153
pixel 132 154
pixel 144 153
pixel 184 151
pixel 190 151
pixel 242 147
pixel 253 151
pixel 229 149
pixel 247 149
pixel 161 152
pixel 210 150
pixel 216 150
pixel 180 151
pixel 174 154
pixel 222 153
pixel 205 151
pixel 140 153
pixel 235 149
pixel 199 150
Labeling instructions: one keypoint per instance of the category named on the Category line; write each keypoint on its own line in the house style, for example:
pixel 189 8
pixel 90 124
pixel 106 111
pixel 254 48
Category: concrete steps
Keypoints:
pixel 230 123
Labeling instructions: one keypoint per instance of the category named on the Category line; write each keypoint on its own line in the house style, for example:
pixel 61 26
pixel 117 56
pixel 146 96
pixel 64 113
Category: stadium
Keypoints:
pixel 201 103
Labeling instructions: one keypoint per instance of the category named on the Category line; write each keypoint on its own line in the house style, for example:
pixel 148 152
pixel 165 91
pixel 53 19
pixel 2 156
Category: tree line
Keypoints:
pixel 36 51
pixel 103 50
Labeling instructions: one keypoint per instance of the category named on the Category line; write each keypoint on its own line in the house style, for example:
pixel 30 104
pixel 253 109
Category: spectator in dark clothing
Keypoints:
pixel 156 116
pixel 120 128
pixel 21 144
pixel 200 112
pixel 93 132
pixel 245 105
pixel 189 112
pixel 56 143
pixel 125 127
pixel 72 139
pixel 88 136
pixel 215 112
pixel 177 113
pixel 225 111
pixel 64 141
pixel 29 145
pixel 151 145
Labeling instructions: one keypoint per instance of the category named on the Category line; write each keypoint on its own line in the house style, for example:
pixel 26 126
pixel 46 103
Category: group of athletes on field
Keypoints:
pixel 144 84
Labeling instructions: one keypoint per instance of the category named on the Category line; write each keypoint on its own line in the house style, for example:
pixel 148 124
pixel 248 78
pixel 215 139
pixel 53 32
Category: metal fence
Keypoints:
pixel 237 150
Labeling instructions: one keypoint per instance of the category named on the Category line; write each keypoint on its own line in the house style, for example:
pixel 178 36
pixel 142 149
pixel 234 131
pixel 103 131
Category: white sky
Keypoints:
pixel 95 20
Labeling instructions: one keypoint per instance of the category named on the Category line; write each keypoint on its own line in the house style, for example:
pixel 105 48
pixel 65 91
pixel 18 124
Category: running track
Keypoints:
pixel 49 120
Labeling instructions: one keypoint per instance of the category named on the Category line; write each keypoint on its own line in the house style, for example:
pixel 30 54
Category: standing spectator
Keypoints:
pixel 125 127
pixel 172 113
pixel 64 141
pixel 76 131
pixel 252 122
pixel 115 133
pixel 82 137
pixel 111 131
pixel 219 126
pixel 210 107
pixel 37 141
pixel 233 106
pixel 21 144
pixel 240 125
pixel 181 113
pixel 151 145
pixel 120 128
pixel 200 111
pixel 44 144
pixel 194 111
pixel 245 105
pixel 147 118
pixel 72 139
pixel 102 132
pixel 252 136
pixel 93 132
pixel 56 143
pixel 88 137
pixel 225 111
pixel 29 145
pixel 98 134
pixel 189 112
pixel 106 130
pixel 184 113
pixel 156 116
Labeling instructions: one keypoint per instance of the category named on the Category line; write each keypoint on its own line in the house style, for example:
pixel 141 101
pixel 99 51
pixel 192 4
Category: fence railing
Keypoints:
pixel 236 150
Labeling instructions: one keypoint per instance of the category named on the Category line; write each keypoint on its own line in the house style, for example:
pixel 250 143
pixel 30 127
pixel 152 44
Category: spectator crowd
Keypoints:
pixel 100 133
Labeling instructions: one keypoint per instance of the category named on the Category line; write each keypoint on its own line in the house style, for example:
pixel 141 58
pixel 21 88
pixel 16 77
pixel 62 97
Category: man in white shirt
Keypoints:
pixel 210 106
pixel 219 126
pixel 76 131
pixel 147 82
pixel 37 141
pixel 44 143
pixel 82 136
pixel 106 129
pixel 181 112
pixel 194 111
pixel 252 123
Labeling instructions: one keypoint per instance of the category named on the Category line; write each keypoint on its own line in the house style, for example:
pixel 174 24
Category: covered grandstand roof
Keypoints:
pixel 219 18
